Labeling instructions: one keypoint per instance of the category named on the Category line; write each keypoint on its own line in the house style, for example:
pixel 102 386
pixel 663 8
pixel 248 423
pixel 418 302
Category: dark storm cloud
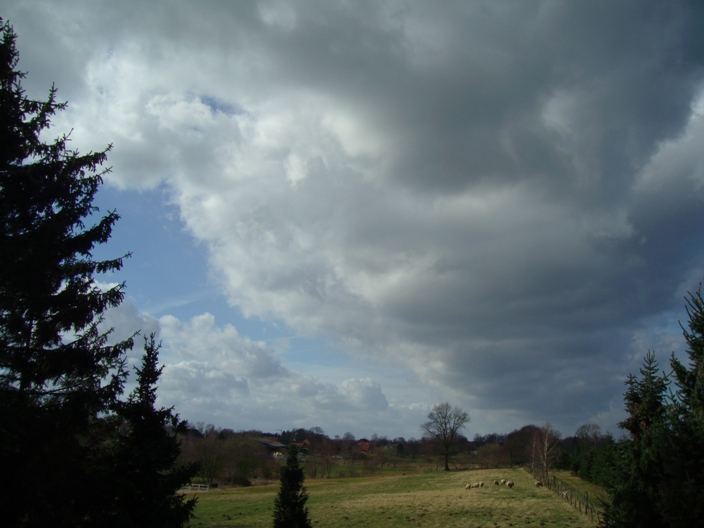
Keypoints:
pixel 498 196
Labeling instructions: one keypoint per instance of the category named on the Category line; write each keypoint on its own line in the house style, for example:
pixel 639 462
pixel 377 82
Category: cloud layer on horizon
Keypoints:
pixel 504 200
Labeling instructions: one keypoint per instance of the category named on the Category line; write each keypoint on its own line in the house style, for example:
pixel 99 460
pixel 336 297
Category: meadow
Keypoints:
pixel 594 491
pixel 431 499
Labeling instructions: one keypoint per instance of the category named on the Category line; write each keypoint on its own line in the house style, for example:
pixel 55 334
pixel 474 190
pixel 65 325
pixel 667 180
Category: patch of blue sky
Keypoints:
pixel 305 351
pixel 168 271
pixel 217 105
pixel 329 362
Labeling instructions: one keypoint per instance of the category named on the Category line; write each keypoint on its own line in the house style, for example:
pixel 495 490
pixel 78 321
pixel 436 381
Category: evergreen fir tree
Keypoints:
pixel 290 509
pixel 147 453
pixel 660 471
pixel 58 374
pixel 683 488
pixel 690 381
pixel 639 475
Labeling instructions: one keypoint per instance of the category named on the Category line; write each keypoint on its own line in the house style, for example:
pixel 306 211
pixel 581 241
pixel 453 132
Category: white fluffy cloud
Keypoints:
pixel 214 374
pixel 495 198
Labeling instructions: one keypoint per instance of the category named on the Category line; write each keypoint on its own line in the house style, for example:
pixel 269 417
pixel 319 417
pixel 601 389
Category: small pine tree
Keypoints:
pixel 290 509
pixel 147 453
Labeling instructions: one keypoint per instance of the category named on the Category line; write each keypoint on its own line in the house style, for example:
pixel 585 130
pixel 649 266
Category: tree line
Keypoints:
pixel 227 457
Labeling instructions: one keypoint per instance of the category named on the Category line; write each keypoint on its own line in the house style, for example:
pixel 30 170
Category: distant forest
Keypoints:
pixel 227 457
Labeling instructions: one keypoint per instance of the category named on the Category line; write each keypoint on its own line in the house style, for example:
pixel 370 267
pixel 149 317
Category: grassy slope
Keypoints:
pixel 425 500
pixel 593 490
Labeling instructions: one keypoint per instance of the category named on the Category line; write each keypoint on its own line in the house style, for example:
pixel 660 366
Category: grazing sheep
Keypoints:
pixel 496 483
pixel 481 484
pixel 509 483
pixel 538 484
pixel 466 486
pixel 502 481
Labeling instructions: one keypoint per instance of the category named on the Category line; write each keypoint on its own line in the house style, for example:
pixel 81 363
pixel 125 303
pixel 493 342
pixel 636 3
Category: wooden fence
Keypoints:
pixel 196 487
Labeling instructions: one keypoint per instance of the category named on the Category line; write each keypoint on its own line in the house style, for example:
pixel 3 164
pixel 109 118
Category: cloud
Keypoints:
pixel 200 341
pixel 494 197
pixel 365 393
pixel 217 375
pixel 214 374
pixel 126 321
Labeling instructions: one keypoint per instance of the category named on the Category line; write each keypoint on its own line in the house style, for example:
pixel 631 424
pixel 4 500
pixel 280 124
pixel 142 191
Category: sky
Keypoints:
pixel 343 213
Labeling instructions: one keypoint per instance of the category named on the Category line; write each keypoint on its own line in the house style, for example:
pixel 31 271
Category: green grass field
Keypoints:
pixel 426 499
pixel 594 491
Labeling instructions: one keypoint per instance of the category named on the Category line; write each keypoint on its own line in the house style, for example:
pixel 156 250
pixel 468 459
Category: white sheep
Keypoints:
pixel 509 483
pixel 496 483
pixel 502 481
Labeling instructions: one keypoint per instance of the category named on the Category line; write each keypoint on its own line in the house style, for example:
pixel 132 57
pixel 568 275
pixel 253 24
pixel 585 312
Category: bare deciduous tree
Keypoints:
pixel 589 432
pixel 444 423
pixel 544 450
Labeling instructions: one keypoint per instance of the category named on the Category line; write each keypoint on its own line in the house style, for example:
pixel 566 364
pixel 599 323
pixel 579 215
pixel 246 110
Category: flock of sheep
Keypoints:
pixel 502 482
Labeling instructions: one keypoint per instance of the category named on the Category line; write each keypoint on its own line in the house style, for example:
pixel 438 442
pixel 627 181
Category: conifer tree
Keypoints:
pixel 636 491
pixel 290 509
pixel 59 376
pixel 683 487
pixel 147 454
pixel 660 472
pixel 690 380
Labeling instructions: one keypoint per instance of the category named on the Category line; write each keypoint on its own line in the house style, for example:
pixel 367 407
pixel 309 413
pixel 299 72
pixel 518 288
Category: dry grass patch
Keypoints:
pixel 423 500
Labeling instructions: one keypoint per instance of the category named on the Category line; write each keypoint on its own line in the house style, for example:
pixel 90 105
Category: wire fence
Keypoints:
pixel 580 500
